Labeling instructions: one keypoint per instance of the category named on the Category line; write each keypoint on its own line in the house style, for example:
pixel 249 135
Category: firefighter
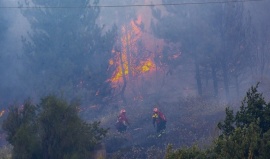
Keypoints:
pixel 122 121
pixel 159 121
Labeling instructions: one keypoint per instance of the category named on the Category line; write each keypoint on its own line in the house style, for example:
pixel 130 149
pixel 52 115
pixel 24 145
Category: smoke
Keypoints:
pixel 11 85
pixel 178 81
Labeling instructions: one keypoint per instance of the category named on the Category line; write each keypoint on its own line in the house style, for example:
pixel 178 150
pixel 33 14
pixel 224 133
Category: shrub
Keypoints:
pixel 244 135
pixel 52 129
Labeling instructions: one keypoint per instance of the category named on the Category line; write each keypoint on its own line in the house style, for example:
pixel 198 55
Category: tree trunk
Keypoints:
pixel 122 93
pixel 225 78
pixel 214 77
pixel 128 53
pixel 237 85
pixel 198 77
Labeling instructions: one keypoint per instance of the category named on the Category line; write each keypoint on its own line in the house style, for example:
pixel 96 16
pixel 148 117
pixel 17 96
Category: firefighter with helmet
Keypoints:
pixel 159 121
pixel 122 121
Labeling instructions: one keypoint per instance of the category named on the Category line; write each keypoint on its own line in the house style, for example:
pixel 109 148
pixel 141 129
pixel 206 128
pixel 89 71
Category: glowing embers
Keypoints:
pixel 2 113
pixel 135 70
pixel 147 66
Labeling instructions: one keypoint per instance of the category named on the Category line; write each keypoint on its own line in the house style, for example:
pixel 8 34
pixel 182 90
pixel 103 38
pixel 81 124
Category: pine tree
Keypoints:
pixel 244 135
pixel 66 51
pixel 253 108
pixel 227 125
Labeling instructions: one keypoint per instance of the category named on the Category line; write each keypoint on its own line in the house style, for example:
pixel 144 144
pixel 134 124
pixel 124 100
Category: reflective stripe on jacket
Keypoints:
pixel 158 117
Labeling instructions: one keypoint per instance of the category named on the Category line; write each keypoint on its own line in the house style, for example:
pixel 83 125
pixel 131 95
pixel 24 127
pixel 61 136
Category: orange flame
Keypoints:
pixel 126 61
pixel 147 66
pixel 2 113
pixel 118 74
pixel 111 62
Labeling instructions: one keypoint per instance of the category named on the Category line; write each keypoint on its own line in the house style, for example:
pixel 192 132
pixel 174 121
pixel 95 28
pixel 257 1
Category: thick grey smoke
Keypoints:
pixel 13 88
pixel 11 85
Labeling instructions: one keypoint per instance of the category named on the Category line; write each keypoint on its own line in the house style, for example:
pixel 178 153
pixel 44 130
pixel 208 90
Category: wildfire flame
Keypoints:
pixel 128 62
pixel 118 74
pixel 2 113
pixel 147 66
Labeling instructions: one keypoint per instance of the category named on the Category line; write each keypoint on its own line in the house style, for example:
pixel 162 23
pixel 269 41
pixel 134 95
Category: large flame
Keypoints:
pixel 128 61
pixel 118 74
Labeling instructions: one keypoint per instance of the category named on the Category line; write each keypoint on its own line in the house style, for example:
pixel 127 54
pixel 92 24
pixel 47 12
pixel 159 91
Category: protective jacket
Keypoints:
pixel 122 119
pixel 158 117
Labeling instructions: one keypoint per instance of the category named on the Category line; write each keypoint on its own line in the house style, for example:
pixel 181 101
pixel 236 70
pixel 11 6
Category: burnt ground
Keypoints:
pixel 190 121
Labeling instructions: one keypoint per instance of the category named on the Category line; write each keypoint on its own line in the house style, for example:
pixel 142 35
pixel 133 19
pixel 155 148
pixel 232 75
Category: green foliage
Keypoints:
pixel 241 143
pixel 21 127
pixel 227 126
pixel 190 152
pixel 254 108
pixel 248 138
pixel 67 44
pixel 265 145
pixel 51 129
pixel 244 135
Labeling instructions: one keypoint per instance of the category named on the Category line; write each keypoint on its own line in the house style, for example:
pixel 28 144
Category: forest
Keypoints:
pixel 69 67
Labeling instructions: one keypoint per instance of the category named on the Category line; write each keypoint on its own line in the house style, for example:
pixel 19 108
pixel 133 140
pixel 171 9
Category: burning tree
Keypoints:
pixel 131 57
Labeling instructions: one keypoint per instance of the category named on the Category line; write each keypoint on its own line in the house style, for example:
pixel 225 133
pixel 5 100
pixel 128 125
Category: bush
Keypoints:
pixel 244 135
pixel 51 129
pixel 188 152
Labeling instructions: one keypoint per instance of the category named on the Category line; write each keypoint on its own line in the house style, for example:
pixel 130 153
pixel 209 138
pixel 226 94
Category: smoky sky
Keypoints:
pixel 10 57
pixel 13 88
